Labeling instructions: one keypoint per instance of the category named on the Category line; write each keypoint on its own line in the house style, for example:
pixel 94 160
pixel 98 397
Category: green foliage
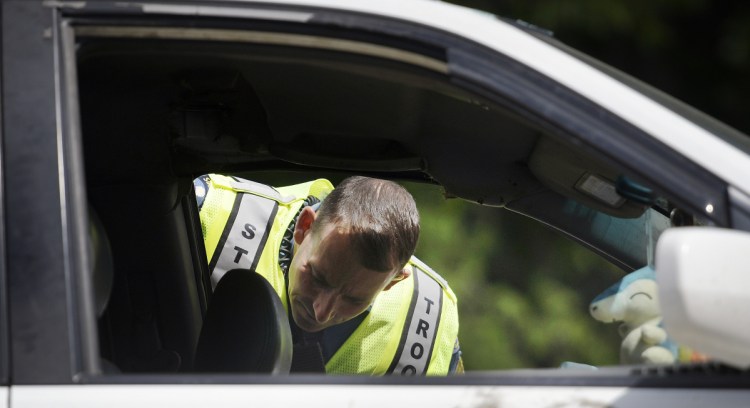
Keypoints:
pixel 523 290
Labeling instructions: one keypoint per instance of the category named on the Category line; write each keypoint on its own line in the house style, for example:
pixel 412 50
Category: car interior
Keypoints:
pixel 156 113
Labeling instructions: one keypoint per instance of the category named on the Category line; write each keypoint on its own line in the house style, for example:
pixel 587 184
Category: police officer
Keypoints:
pixel 341 260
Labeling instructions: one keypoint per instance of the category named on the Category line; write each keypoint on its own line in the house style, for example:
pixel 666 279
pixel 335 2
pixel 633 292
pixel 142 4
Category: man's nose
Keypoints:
pixel 324 306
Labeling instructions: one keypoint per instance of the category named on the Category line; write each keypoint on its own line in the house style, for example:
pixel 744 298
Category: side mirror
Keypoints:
pixel 704 287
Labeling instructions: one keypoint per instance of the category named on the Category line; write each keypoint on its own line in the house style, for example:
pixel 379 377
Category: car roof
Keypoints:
pixel 667 121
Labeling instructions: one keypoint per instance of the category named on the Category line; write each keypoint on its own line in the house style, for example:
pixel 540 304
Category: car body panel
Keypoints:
pixel 36 252
pixel 189 396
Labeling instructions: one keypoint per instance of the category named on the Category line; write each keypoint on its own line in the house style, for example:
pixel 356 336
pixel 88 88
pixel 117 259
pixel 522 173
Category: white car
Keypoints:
pixel 111 108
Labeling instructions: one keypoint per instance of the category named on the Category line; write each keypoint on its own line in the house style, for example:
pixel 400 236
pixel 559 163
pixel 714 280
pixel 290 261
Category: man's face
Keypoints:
pixel 327 283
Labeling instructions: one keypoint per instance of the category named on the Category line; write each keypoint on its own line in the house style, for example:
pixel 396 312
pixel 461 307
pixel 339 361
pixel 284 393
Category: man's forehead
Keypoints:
pixel 334 245
pixel 336 241
pixel 334 260
pixel 334 265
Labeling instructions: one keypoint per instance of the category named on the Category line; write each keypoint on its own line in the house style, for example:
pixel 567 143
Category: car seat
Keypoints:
pixel 102 275
pixel 246 328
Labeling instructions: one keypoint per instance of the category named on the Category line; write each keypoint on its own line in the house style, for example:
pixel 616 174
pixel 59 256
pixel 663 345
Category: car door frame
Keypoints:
pixel 43 226
pixel 52 325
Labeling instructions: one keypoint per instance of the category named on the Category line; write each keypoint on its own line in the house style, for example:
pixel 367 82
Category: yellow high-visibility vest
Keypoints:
pixel 411 328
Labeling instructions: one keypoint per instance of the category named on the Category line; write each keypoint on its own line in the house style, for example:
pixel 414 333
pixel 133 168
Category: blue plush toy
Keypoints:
pixel 634 303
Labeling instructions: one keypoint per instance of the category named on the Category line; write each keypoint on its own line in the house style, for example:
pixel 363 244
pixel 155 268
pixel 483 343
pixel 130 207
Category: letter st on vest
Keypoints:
pixel 244 235
pixel 248 233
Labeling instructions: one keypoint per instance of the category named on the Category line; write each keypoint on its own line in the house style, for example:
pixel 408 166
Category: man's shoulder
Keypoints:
pixel 427 270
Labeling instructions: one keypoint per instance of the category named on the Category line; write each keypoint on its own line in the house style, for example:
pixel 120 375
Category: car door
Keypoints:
pixel 86 125
pixel 38 249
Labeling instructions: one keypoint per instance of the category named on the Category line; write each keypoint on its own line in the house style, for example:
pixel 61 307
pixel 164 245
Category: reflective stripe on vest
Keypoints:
pixel 260 190
pixel 244 235
pixel 420 330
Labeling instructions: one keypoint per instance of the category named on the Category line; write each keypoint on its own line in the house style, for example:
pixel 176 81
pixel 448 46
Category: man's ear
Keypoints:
pixel 304 224
pixel 404 273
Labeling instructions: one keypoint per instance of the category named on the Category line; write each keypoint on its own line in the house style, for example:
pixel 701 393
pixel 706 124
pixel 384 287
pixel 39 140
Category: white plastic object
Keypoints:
pixel 704 283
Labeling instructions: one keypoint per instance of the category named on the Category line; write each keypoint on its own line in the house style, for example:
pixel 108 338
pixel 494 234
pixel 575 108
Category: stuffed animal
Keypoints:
pixel 634 303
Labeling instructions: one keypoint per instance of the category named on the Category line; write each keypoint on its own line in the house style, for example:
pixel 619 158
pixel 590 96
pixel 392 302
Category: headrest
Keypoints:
pixel 101 262
pixel 246 328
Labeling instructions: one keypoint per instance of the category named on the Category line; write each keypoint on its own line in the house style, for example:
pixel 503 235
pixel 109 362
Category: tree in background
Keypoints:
pixel 523 290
